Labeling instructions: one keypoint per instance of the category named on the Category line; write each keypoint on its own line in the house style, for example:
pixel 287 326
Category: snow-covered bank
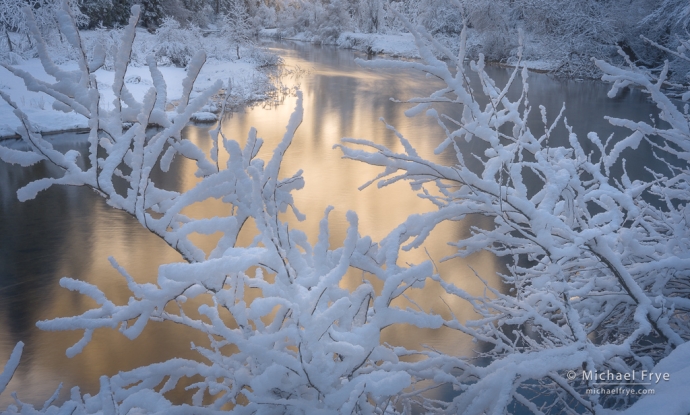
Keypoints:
pixel 401 45
pixel 396 45
pixel 250 82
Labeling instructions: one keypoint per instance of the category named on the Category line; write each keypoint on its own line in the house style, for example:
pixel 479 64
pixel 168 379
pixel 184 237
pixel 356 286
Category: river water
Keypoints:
pixel 71 232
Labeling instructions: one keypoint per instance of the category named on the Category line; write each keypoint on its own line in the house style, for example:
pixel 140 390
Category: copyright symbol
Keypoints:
pixel 571 375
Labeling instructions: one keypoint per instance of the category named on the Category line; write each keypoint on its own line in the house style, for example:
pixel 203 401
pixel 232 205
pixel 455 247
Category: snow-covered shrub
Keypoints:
pixel 236 26
pixel 574 32
pixel 10 21
pixel 15 43
pixel 334 20
pixel 284 337
pixel 175 45
pixel 494 26
pixel 264 17
pixel 177 10
pixel 440 16
pixel 262 57
pixel 667 25
pixel 107 40
pixel 496 45
pixel 14 48
pixel 297 17
pixel 595 255
pixel 317 21
pixel 370 16
pixel 410 10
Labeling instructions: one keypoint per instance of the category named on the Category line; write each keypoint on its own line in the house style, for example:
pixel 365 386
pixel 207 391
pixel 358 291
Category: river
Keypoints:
pixel 71 232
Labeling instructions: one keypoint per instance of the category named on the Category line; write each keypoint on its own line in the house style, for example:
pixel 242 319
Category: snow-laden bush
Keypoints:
pixel 442 16
pixel 296 17
pixel 107 40
pixel 596 256
pixel 333 20
pixel 318 21
pixel 16 45
pixel 284 337
pixel 236 26
pixel 262 57
pixel 574 32
pixel 176 45
pixel 667 25
pixel 264 17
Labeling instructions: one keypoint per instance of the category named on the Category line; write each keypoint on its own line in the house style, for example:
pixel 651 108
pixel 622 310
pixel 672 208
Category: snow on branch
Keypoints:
pixel 594 261
pixel 305 344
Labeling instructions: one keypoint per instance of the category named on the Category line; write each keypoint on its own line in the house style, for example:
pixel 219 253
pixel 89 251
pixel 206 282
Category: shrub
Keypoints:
pixel 175 45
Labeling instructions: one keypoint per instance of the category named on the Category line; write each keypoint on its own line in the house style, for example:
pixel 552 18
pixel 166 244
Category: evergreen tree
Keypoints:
pixel 108 13
pixel 152 13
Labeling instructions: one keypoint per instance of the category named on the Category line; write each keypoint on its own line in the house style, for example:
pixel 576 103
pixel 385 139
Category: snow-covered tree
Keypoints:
pixel 265 17
pixel 664 34
pixel 152 13
pixel 237 28
pixel 370 15
pixel 175 45
pixel 334 20
pixel 442 16
pixel 108 13
pixel 12 18
pixel 596 256
pixel 284 337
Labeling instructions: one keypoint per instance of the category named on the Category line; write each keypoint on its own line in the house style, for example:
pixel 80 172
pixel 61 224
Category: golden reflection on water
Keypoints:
pixel 351 106
pixel 337 103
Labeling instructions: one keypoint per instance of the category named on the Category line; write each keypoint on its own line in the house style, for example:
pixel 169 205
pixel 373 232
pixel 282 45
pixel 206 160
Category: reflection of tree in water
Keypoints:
pixel 39 242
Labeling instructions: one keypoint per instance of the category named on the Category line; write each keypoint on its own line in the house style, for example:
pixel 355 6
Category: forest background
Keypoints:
pixel 564 33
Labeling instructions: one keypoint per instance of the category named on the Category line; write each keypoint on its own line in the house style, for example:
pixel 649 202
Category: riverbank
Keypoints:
pixel 250 79
pixel 402 45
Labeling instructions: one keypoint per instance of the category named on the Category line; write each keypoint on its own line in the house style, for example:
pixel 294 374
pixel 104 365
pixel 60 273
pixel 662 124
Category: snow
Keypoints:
pixel 203 116
pixel 320 351
pixel 670 397
pixel 401 45
pixel 11 366
pixel 270 32
pixel 398 45
pixel 39 106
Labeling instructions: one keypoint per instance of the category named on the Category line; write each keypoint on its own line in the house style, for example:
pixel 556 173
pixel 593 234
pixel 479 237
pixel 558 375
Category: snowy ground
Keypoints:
pixel 402 46
pixel 249 83
pixel 248 79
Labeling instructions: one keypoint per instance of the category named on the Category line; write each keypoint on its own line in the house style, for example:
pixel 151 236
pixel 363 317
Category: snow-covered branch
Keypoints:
pixel 284 337
pixel 595 262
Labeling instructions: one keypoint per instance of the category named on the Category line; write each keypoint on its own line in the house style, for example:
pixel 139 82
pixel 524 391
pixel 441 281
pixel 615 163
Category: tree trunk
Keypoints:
pixel 9 41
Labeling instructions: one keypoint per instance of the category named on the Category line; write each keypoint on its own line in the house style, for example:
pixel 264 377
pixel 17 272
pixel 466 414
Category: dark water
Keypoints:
pixel 71 232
